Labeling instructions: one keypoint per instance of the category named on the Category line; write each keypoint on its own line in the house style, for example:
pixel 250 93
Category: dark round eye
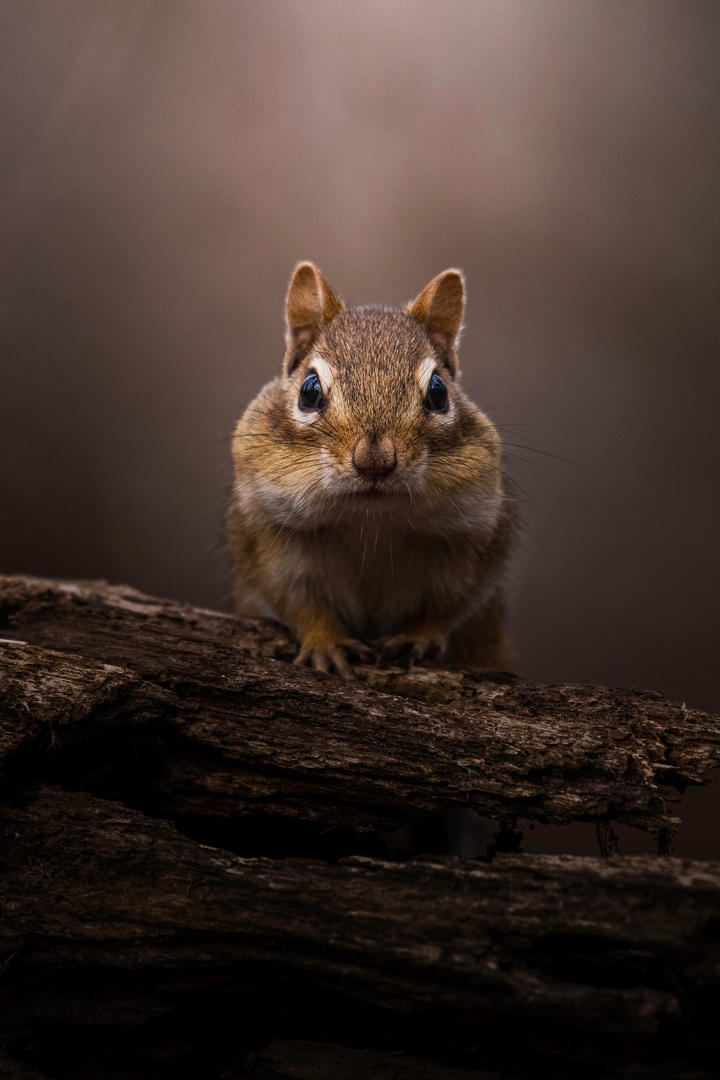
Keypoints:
pixel 311 395
pixel 436 398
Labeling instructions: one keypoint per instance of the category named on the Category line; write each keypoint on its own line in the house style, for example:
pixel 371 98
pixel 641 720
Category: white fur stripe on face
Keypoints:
pixel 324 372
pixel 424 372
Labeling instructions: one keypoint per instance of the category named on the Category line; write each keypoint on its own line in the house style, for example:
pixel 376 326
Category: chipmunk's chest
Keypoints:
pixel 377 578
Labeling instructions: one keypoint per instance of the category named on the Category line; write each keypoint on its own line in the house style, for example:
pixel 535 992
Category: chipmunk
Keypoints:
pixel 369 500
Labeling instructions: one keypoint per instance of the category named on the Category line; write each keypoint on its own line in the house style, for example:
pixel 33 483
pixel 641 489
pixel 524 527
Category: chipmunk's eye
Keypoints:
pixel 311 395
pixel 436 397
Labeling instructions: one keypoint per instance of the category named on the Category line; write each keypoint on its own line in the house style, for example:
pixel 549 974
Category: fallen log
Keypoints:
pixel 181 711
pixel 129 948
pixel 121 937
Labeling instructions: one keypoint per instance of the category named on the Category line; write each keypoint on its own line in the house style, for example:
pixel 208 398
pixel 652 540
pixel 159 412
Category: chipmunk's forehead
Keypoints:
pixel 373 341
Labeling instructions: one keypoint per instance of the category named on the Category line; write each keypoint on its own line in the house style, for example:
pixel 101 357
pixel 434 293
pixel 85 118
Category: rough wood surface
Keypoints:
pixel 292 1059
pixel 295 1059
pixel 130 947
pixel 188 712
pixel 113 922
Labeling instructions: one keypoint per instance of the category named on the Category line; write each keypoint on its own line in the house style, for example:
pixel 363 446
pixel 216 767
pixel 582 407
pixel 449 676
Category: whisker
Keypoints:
pixel 547 453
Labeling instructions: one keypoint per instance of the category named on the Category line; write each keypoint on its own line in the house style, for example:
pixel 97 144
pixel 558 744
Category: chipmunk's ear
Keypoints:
pixel 309 305
pixel 439 307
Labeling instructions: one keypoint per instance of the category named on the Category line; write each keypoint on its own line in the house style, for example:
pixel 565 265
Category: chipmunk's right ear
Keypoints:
pixel 309 305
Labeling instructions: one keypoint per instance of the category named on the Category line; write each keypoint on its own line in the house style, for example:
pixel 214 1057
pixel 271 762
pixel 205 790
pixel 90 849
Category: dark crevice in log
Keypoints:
pixel 278 838
pixel 163 769
pixel 507 840
pixel 123 929
pixel 607 839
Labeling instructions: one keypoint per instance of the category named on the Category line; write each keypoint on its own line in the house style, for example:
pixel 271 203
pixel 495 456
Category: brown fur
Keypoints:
pixel 439 307
pixel 374 518
pixel 310 304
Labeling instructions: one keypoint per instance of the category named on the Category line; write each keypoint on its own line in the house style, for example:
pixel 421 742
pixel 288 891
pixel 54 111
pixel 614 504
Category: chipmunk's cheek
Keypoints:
pixel 331 471
pixel 444 419
pixel 412 468
pixel 303 418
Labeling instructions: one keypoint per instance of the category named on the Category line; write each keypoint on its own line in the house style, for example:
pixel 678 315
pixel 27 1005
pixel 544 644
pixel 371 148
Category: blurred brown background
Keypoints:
pixel 164 165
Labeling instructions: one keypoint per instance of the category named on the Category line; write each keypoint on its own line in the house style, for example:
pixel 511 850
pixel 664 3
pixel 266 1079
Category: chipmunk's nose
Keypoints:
pixel 374 459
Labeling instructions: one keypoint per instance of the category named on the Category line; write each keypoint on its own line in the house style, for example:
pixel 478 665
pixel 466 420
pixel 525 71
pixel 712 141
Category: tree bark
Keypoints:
pixel 145 745
pixel 192 716
pixel 578 952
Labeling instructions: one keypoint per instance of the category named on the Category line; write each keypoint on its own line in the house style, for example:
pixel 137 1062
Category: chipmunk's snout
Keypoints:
pixel 374 459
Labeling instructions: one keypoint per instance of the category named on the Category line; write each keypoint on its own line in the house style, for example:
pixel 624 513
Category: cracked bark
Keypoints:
pixel 128 948
pixel 578 954
pixel 201 720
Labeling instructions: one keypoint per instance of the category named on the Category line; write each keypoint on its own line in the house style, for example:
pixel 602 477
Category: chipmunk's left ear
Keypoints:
pixel 309 305
pixel 440 307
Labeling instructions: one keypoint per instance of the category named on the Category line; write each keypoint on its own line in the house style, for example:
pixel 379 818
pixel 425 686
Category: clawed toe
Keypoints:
pixel 360 650
pixel 327 660
pixel 412 650
pixel 400 649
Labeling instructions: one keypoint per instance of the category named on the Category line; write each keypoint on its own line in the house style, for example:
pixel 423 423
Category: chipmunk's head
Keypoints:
pixel 369 406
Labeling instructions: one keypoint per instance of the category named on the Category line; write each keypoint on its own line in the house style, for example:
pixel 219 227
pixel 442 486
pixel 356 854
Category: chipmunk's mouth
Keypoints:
pixel 385 490
pixel 377 490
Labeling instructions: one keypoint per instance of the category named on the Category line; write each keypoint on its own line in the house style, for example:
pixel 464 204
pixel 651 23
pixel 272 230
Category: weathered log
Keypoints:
pixel 113 922
pixel 12 1069
pixel 193 716
pixel 292 1059
pixel 127 948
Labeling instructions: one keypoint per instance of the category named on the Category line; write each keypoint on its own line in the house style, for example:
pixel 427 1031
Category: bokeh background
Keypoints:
pixel 164 164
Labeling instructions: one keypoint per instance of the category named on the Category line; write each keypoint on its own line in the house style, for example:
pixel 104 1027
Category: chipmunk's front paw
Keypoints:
pixel 413 649
pixel 334 657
